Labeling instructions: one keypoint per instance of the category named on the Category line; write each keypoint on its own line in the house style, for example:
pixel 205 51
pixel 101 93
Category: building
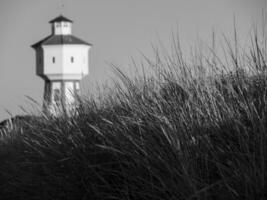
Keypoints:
pixel 62 60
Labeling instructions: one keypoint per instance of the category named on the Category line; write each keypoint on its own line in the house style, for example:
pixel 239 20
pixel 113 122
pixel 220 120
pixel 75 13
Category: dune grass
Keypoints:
pixel 187 130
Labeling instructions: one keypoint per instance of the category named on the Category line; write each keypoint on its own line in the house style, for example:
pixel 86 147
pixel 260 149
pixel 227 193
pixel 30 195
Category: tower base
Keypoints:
pixel 60 96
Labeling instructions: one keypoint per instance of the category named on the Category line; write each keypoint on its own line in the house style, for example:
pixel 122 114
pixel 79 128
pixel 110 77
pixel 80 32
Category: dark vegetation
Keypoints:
pixel 172 134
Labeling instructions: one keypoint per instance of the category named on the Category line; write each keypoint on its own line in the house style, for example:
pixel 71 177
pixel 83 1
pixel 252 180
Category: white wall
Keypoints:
pixel 51 51
pixel 63 68
pixel 80 56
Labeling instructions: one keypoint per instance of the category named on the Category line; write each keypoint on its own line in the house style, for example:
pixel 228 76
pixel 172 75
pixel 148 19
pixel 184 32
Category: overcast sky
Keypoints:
pixel 118 30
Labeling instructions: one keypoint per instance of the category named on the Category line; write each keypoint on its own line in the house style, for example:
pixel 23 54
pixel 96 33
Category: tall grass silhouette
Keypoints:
pixel 189 129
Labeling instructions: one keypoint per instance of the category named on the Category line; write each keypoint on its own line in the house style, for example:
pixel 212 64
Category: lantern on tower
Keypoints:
pixel 62 60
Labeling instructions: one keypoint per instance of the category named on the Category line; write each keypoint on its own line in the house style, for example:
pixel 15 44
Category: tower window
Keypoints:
pixel 57 96
pixel 72 59
pixel 53 59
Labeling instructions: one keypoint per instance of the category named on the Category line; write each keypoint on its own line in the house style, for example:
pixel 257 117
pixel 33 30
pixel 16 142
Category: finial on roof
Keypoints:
pixel 61 6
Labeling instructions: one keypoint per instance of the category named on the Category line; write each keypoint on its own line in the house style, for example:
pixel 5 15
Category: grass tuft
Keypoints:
pixel 186 130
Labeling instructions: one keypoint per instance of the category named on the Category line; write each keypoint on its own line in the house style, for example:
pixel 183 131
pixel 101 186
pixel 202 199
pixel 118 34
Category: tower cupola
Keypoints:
pixel 61 26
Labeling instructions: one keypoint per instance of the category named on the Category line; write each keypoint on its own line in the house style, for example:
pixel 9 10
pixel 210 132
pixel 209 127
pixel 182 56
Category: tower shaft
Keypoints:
pixel 60 96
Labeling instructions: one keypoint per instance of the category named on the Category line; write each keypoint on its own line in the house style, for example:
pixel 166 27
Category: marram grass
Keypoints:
pixel 176 134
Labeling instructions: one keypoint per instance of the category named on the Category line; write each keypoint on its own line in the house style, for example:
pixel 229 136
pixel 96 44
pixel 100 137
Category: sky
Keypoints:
pixel 120 30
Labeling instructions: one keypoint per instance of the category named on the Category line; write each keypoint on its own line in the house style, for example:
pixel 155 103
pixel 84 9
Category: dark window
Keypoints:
pixel 65 25
pixel 57 95
pixel 54 59
pixel 72 59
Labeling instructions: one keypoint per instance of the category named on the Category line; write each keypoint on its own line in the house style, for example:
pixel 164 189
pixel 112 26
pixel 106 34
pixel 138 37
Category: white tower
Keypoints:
pixel 62 60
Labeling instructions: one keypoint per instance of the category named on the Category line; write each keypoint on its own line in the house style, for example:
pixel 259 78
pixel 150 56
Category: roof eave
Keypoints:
pixel 60 19
pixel 86 44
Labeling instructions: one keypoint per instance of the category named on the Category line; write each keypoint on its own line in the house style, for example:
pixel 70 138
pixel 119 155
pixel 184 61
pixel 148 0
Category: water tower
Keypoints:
pixel 62 60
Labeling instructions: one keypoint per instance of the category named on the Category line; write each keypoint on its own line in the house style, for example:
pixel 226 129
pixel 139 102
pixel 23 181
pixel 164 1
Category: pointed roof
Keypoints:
pixel 60 39
pixel 60 18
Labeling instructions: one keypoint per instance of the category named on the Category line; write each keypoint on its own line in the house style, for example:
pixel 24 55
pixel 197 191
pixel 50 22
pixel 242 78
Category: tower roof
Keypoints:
pixel 60 18
pixel 60 39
